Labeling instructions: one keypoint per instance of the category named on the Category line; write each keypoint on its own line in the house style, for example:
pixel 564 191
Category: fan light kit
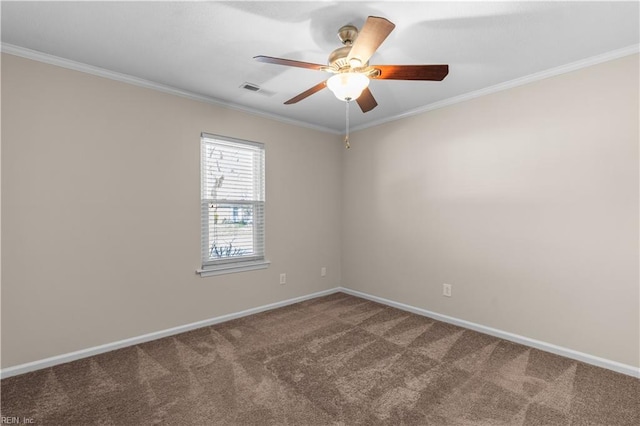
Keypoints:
pixel 348 86
pixel 350 64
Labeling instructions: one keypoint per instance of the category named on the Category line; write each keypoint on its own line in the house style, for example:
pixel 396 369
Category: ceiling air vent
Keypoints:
pixel 250 87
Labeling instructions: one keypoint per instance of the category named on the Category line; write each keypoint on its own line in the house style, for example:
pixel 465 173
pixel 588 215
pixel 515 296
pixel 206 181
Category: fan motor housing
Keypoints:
pixel 338 58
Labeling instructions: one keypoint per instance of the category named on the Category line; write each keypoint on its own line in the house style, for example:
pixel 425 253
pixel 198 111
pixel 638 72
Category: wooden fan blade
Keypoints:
pixel 289 63
pixel 412 72
pixel 366 101
pixel 370 37
pixel 307 93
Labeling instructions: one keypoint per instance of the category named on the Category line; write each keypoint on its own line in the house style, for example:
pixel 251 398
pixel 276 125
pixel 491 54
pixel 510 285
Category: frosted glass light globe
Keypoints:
pixel 347 86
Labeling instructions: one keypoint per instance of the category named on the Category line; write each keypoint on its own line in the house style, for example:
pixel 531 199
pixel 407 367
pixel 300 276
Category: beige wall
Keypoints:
pixel 101 216
pixel 526 201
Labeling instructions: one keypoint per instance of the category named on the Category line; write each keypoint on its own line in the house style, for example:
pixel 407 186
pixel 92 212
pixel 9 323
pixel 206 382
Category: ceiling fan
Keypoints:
pixel 350 64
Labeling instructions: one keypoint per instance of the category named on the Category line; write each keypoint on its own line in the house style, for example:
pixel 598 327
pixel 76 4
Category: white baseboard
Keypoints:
pixel 96 350
pixel 547 347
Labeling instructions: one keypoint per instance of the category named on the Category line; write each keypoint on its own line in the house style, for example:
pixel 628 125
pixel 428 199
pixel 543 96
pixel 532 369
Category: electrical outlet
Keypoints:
pixel 446 290
pixel 323 271
pixel 283 279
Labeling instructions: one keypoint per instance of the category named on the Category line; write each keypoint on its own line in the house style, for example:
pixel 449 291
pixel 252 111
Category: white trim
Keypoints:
pixel 547 347
pixel 96 350
pixel 147 84
pixel 232 268
pixel 101 72
pixel 552 72
pixel 544 346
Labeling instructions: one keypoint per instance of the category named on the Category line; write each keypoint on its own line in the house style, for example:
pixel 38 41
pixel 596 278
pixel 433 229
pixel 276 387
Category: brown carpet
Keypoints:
pixel 334 360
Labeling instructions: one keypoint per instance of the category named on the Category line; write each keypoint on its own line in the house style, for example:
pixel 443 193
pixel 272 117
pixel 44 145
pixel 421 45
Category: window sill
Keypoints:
pixel 233 268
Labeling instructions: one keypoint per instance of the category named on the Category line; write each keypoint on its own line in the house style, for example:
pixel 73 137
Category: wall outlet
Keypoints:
pixel 323 271
pixel 446 290
pixel 283 279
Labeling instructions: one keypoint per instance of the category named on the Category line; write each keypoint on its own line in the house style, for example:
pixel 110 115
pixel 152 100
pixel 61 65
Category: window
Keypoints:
pixel 232 202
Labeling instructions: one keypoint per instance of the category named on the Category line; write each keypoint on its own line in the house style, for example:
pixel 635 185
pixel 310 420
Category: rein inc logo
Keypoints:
pixel 16 420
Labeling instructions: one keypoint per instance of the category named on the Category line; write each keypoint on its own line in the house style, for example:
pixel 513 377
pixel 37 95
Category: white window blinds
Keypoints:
pixel 232 201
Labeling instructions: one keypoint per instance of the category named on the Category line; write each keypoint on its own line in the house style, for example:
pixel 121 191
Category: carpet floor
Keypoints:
pixel 334 360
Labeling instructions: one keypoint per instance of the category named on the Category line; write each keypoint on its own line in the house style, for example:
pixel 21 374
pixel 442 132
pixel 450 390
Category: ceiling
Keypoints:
pixel 205 49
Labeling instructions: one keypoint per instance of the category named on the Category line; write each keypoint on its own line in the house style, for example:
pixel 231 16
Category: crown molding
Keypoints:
pixel 552 72
pixel 125 78
pixel 140 82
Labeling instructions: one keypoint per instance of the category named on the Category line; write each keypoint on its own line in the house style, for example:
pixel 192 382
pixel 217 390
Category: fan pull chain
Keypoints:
pixel 346 138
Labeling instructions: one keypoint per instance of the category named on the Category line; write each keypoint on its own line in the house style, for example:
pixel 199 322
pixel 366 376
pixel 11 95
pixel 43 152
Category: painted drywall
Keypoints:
pixel 101 216
pixel 525 201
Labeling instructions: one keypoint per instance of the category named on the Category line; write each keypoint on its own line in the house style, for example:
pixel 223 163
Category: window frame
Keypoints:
pixel 234 263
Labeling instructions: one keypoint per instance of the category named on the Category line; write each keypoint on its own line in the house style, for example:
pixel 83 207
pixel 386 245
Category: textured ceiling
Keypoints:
pixel 206 48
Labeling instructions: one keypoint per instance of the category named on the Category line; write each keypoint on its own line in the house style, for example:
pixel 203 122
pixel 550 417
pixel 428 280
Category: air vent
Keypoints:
pixel 250 87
